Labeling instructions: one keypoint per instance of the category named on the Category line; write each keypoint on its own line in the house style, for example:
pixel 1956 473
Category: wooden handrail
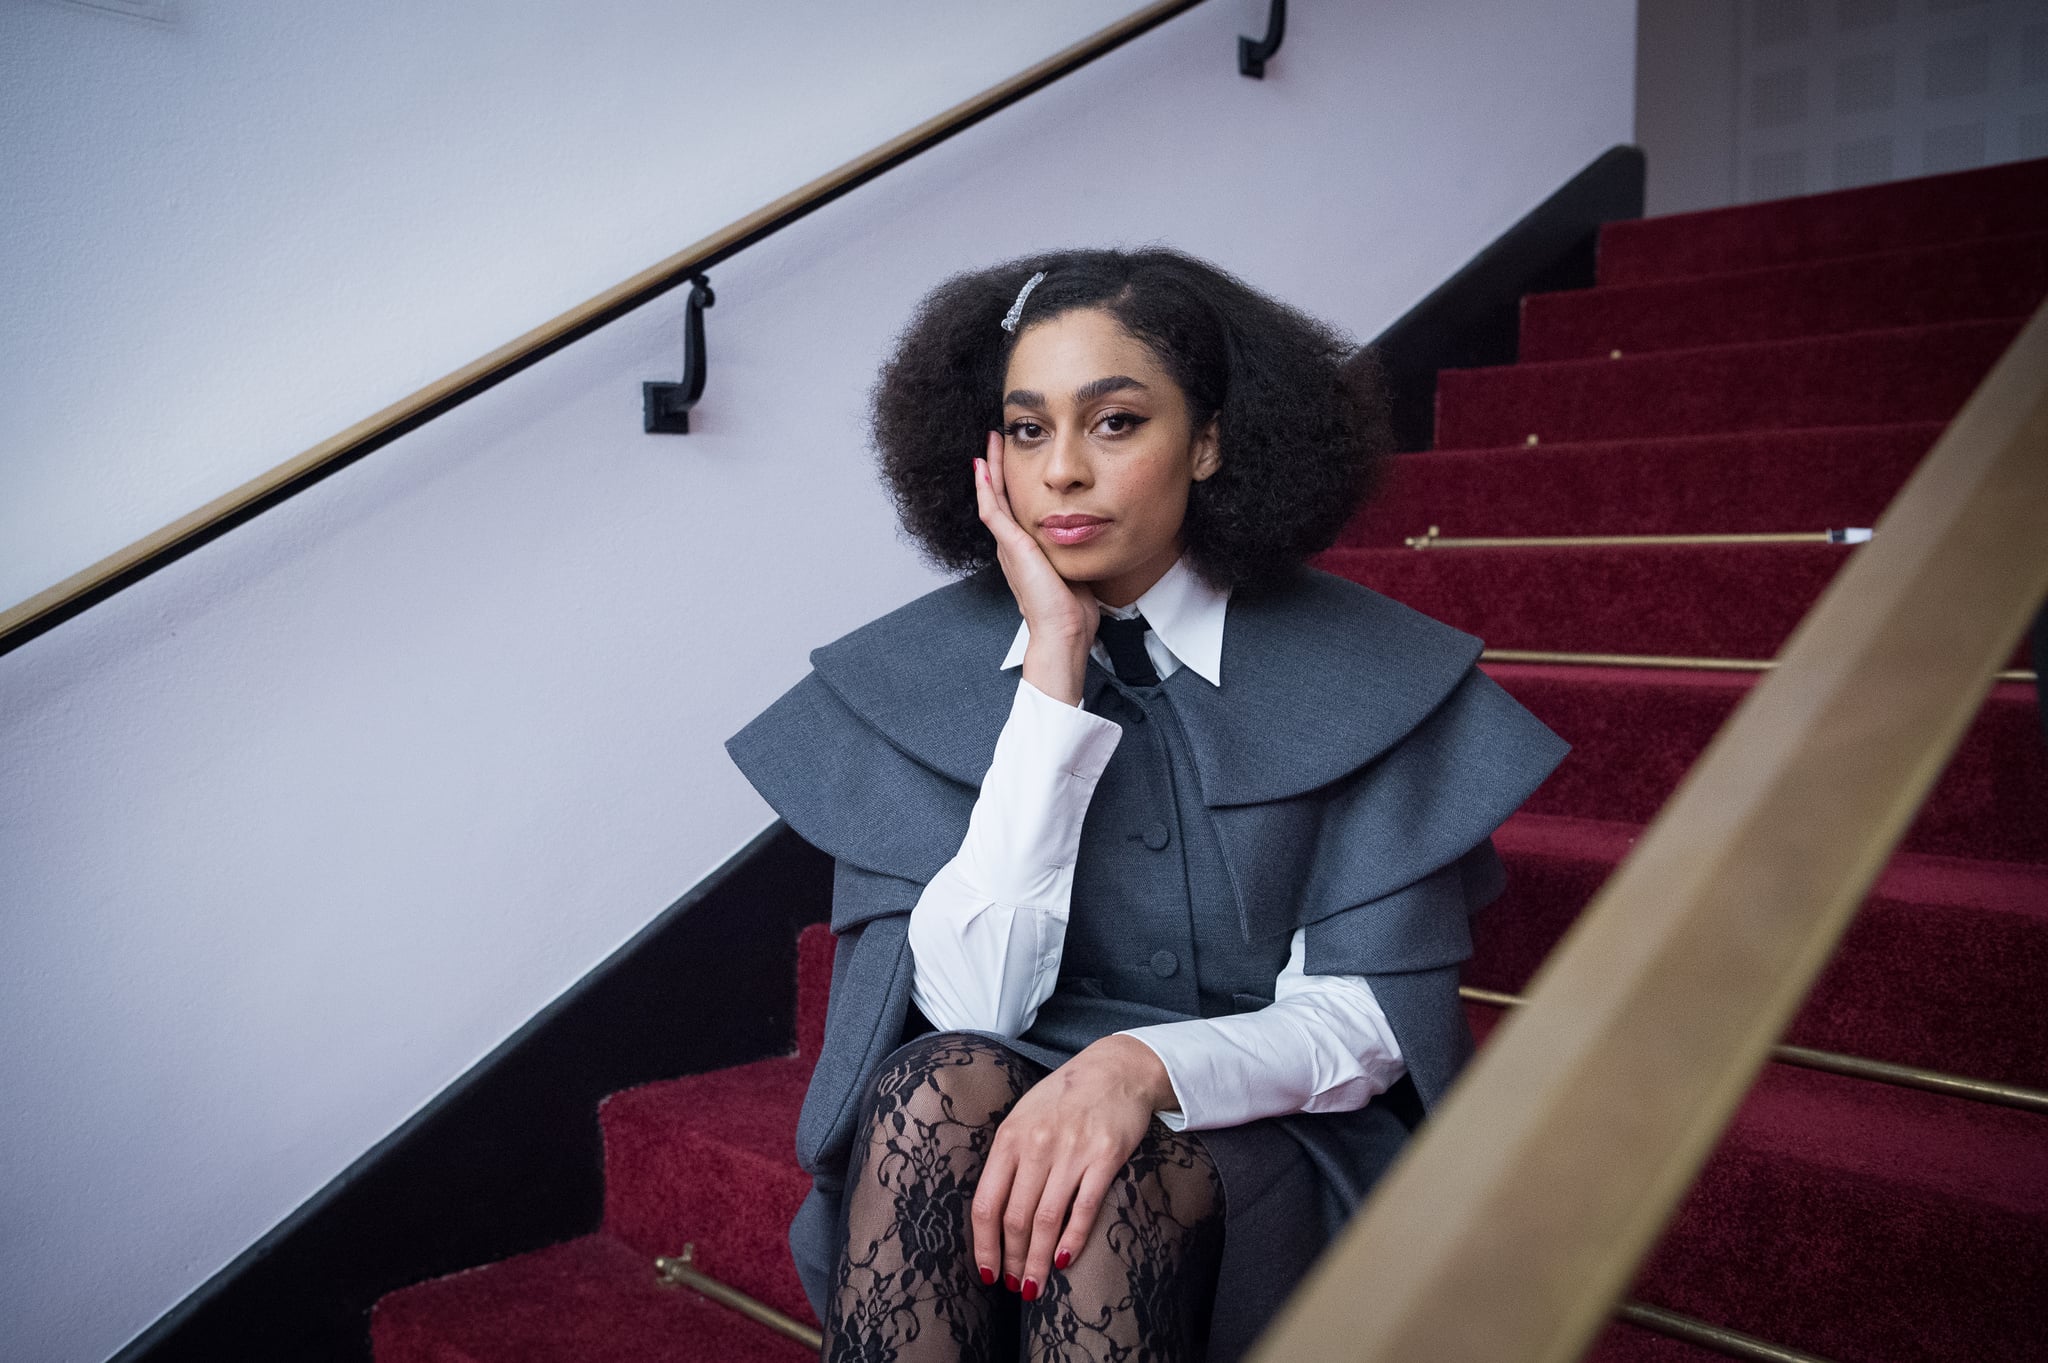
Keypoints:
pixel 51 607
pixel 1510 1227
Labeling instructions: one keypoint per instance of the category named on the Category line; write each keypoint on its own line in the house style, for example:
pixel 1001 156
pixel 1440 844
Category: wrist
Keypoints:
pixel 1142 1070
pixel 1056 666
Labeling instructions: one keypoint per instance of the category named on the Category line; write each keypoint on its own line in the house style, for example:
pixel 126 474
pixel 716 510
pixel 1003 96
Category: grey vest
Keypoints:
pixel 1344 779
pixel 1153 928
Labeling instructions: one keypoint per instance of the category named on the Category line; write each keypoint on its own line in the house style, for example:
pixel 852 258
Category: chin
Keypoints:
pixel 1083 563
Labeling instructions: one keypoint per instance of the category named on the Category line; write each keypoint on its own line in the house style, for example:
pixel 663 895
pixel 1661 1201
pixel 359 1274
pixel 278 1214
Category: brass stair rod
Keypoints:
pixel 1538 655
pixel 1857 1067
pixel 1434 540
pixel 1719 1338
pixel 682 1271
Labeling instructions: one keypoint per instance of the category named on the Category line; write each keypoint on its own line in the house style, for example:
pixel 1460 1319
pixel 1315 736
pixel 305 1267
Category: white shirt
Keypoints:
pixel 987 933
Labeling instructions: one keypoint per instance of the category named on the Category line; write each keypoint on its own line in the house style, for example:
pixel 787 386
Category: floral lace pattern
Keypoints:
pixel 907 1288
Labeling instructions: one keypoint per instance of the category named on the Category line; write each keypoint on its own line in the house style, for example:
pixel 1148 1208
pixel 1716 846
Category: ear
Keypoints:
pixel 1208 450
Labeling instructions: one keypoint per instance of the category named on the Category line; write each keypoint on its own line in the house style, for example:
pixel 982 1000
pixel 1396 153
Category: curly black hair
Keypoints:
pixel 1302 413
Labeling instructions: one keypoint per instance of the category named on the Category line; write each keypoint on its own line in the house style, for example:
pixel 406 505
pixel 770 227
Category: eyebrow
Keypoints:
pixel 1085 394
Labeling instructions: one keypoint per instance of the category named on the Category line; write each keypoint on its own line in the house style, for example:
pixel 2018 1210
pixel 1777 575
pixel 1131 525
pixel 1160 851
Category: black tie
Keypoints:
pixel 1125 640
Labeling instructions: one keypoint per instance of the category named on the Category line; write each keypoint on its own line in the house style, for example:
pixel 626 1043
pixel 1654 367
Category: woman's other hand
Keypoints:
pixel 1055 1156
pixel 1061 614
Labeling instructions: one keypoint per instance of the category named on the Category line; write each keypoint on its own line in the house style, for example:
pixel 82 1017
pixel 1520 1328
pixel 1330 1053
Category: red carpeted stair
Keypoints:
pixel 1775 367
pixel 1780 367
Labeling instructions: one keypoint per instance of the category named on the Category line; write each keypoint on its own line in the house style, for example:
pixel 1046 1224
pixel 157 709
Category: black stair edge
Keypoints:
pixel 509 1157
pixel 1474 318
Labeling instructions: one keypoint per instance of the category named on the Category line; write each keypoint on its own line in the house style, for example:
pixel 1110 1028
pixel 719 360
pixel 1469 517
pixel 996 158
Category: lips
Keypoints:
pixel 1073 529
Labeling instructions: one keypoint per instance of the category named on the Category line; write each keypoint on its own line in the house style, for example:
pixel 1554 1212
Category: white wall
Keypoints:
pixel 295 831
pixel 1741 100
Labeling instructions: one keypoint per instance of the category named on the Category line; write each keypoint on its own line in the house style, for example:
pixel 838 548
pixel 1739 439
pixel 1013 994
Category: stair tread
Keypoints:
pixel 768 1092
pixel 593 1299
pixel 1918 285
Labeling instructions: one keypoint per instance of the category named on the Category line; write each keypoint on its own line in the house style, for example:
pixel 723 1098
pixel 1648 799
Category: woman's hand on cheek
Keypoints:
pixel 1055 1156
pixel 1061 614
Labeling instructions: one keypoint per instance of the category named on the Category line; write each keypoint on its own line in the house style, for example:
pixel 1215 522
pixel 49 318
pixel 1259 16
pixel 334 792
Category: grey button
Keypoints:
pixel 1164 963
pixel 1156 836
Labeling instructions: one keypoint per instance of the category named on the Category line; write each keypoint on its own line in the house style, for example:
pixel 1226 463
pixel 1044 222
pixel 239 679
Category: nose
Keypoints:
pixel 1066 464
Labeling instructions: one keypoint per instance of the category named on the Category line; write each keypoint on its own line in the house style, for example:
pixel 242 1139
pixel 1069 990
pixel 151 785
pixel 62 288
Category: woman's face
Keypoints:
pixel 1098 454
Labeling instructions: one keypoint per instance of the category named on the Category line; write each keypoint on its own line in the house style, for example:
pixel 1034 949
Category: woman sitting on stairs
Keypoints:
pixel 1151 905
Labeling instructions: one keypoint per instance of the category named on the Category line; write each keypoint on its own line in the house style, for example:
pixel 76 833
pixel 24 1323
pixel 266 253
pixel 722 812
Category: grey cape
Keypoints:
pixel 1345 779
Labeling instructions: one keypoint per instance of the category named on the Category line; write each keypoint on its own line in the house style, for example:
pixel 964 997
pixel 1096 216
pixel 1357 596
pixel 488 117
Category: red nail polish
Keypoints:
pixel 1010 1281
pixel 988 1276
pixel 1030 1289
pixel 1063 1258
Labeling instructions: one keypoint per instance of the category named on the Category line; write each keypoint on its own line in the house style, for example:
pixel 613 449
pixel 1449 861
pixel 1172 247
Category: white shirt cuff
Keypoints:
pixel 1322 1045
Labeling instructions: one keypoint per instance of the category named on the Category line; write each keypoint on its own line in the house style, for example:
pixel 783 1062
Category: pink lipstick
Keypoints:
pixel 1073 529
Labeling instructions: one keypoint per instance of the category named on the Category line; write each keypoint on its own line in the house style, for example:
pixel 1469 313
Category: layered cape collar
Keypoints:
pixel 1321 676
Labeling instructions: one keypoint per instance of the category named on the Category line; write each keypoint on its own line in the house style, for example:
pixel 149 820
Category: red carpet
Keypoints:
pixel 1781 367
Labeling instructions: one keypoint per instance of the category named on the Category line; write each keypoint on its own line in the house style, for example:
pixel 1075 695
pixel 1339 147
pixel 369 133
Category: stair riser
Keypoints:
pixel 1780 1239
pixel 1846 1268
pixel 1774 481
pixel 1635 733
pixel 733 1205
pixel 1690 601
pixel 1872 378
pixel 2003 278
pixel 1949 987
pixel 1733 601
pixel 1998 201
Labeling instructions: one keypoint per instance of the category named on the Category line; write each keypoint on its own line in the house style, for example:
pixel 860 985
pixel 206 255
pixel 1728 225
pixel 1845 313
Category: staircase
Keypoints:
pixel 1776 367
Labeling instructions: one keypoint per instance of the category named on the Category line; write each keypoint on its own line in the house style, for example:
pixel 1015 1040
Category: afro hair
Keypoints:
pixel 1301 412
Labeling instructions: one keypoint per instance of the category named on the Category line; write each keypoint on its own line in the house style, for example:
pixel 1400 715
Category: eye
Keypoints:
pixel 1024 428
pixel 1121 423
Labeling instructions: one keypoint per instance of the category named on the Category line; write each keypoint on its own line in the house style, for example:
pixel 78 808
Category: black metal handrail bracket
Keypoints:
pixel 1253 53
pixel 666 407
pixel 85 589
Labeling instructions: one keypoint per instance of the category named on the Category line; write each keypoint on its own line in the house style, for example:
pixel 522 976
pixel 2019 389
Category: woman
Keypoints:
pixel 1150 905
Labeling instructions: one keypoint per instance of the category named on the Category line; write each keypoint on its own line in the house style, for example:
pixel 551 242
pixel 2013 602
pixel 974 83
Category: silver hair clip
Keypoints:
pixel 1017 308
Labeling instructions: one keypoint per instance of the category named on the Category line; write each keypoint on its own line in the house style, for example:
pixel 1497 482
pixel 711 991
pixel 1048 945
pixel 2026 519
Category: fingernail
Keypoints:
pixel 1030 1289
pixel 988 1276
pixel 1063 1258
pixel 1010 1281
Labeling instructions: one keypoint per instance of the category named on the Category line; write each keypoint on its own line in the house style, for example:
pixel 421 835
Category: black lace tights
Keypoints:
pixel 908 1289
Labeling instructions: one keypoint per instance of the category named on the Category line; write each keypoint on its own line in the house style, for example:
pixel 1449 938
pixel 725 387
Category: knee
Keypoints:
pixel 946 1077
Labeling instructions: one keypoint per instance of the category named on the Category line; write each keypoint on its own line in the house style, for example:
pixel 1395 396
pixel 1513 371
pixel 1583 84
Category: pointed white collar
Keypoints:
pixel 1185 614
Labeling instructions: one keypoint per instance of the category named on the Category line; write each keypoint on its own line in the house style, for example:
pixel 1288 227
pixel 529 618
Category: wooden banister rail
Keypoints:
pixel 1509 1229
pixel 49 608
